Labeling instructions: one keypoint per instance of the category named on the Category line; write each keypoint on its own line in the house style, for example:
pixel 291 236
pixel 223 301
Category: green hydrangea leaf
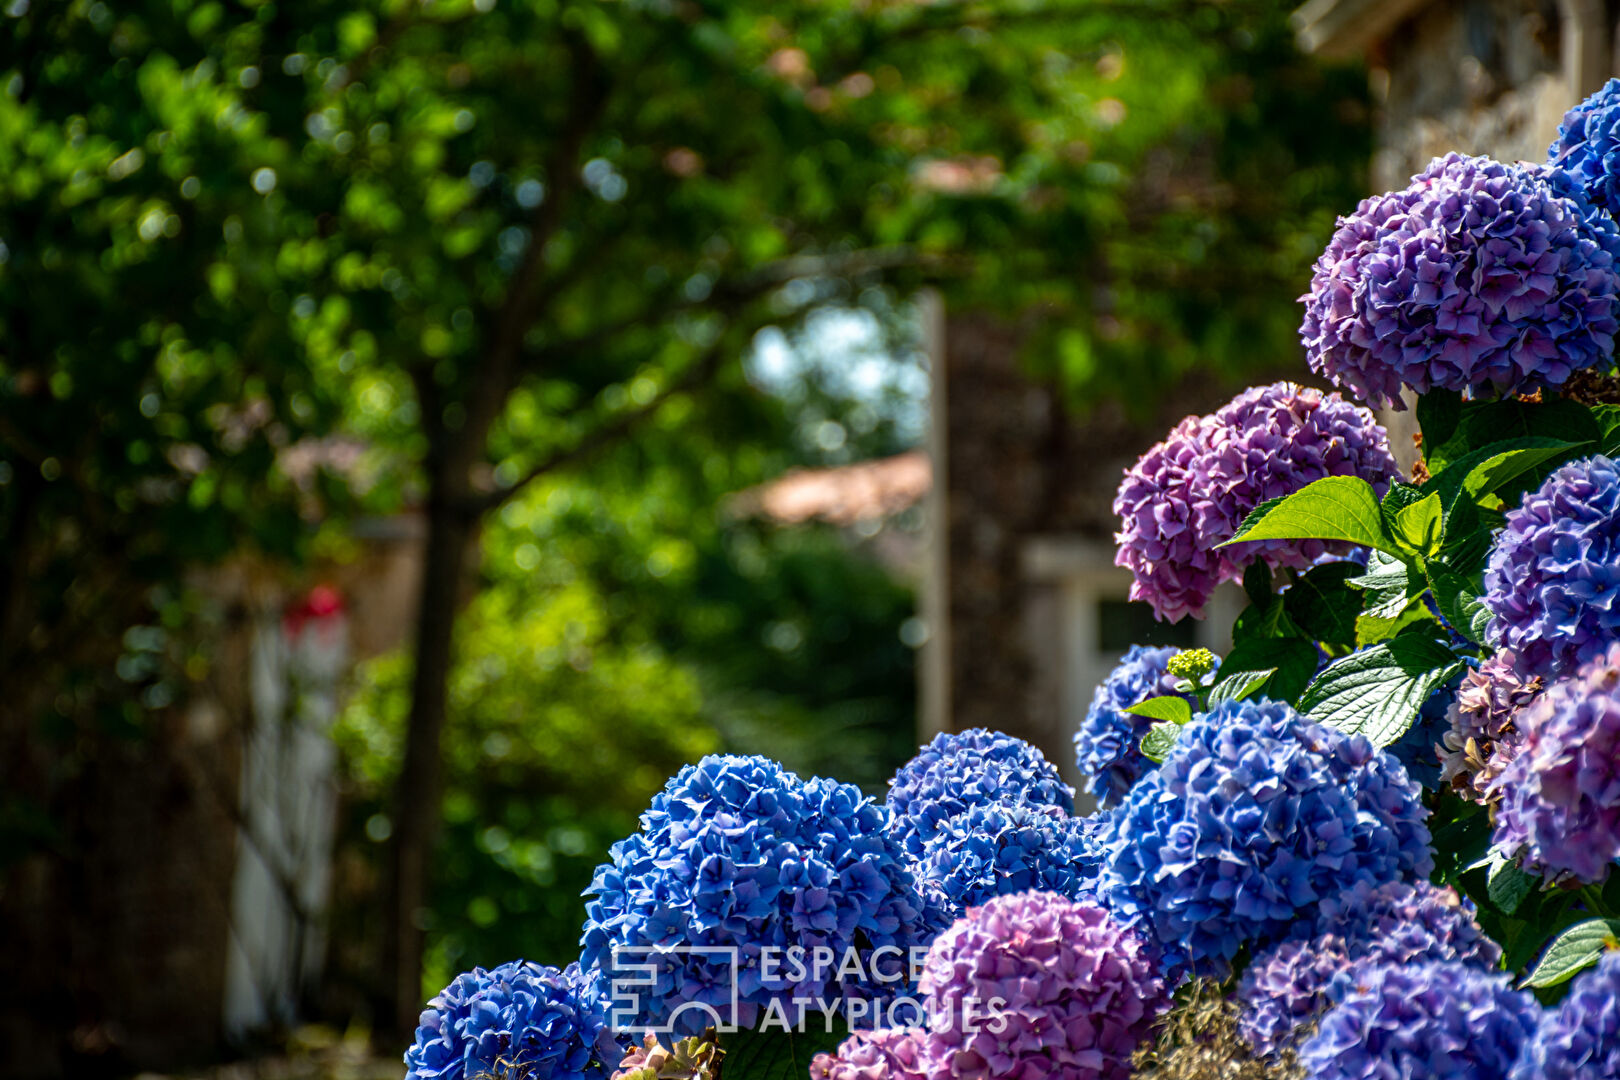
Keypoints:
pixel 1573 951
pixel 1332 508
pixel 1377 692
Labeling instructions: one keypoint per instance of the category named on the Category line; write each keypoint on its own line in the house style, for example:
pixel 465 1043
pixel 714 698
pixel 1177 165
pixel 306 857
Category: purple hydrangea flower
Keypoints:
pixel 956 772
pixel 1078 992
pixel 1435 1021
pixel 1553 573
pixel 738 852
pixel 871 1055
pixel 1108 744
pixel 1005 848
pixel 1579 1040
pixel 519 1017
pixel 1587 148
pixel 1561 795
pixel 1191 492
pixel 1394 923
pixel 1482 735
pixel 1478 277
pixel 1256 817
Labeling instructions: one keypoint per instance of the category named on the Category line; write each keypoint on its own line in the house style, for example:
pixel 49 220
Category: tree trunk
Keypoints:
pixel 416 810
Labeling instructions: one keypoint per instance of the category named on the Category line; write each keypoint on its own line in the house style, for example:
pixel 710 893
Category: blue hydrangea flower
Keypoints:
pixel 1256 817
pixel 1554 570
pixel 1395 923
pixel 1108 744
pixel 1579 1040
pixel 1434 1021
pixel 1560 805
pixel 738 853
pixel 1587 148
pixel 1006 848
pixel 956 772
pixel 1478 277
pixel 518 1018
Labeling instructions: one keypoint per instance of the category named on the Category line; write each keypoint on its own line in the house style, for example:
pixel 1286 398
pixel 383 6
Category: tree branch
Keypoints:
pixel 699 373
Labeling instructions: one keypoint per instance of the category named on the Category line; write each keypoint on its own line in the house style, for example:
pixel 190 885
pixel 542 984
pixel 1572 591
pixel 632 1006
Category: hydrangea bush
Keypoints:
pixel 1190 493
pixel 1107 745
pixel 1358 840
pixel 739 854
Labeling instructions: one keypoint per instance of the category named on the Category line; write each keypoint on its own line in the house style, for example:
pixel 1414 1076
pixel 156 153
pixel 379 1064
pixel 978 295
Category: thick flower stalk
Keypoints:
pixel 1560 805
pixel 1286 985
pixel 1434 1021
pixel 738 853
pixel 1108 744
pixel 1255 818
pixel 1479 277
pixel 1580 1039
pixel 1005 848
pixel 1034 985
pixel 957 772
pixel 1554 568
pixel 1190 493
pixel 1587 148
pixel 520 1019
pixel 1482 734
pixel 871 1055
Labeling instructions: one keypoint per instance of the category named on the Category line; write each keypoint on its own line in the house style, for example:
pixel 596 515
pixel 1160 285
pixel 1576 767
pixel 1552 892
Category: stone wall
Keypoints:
pixel 1022 465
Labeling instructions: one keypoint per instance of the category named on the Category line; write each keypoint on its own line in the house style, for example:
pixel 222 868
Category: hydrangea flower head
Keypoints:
pixel 1482 735
pixel 1108 744
pixel 1554 568
pixel 737 852
pixel 1580 1039
pixel 871 1055
pixel 1255 818
pixel 1587 148
pixel 1478 277
pixel 1190 493
pixel 1437 1021
pixel 1395 923
pixel 1005 848
pixel 956 772
pixel 1561 795
pixel 1080 992
pixel 520 1018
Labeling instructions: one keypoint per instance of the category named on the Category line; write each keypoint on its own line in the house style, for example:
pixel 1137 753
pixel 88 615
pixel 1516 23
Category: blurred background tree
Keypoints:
pixel 519 251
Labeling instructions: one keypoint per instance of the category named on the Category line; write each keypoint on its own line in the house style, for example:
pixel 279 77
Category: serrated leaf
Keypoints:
pixel 1608 422
pixel 1324 605
pixel 1377 692
pixel 1502 468
pixel 1370 629
pixel 1332 508
pixel 1388 584
pixel 1458 597
pixel 1291 661
pixel 1417 526
pixel 1257 582
pixel 1156 744
pixel 1169 708
pixel 1507 885
pixel 1571 952
pixel 1483 423
pixel 1242 684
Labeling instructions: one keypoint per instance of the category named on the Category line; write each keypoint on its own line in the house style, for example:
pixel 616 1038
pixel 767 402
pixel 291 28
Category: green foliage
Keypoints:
pixel 559 737
pixel 1170 709
pixel 1575 950
pixel 1156 744
pixel 775 1054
